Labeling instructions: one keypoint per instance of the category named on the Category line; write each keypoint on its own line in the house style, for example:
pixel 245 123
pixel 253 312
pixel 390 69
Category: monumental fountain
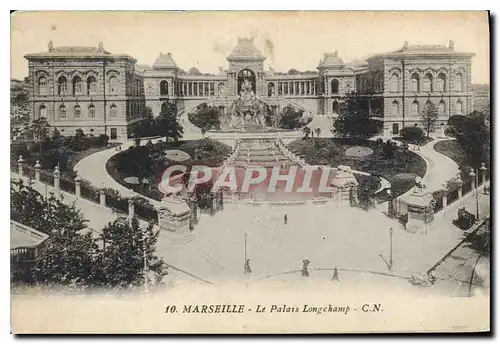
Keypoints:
pixel 247 112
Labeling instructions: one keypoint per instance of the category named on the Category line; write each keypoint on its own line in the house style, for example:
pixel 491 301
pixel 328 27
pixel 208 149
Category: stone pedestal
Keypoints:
pixel 37 171
pixel 102 198
pixel 346 186
pixel 131 209
pixel 57 175
pixel 20 165
pixel 78 187
pixel 420 209
pixel 174 214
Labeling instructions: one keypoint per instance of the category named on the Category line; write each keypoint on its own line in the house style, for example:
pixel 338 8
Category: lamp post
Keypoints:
pixel 389 203
pixel 246 265
pixel 390 248
pixel 475 177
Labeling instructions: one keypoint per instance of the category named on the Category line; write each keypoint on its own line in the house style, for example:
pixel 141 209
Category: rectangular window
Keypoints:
pixel 395 129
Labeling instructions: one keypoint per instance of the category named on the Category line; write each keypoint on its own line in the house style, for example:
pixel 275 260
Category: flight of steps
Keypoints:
pixel 263 152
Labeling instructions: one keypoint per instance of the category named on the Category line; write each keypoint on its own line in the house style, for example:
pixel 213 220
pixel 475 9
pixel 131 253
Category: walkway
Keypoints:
pixel 93 169
pixel 440 168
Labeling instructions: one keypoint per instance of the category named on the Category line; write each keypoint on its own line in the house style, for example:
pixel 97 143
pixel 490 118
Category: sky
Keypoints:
pixel 288 39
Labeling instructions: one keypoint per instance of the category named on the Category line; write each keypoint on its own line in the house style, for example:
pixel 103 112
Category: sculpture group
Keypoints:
pixel 247 112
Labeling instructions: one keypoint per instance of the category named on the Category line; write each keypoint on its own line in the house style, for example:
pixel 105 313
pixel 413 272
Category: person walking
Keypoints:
pixel 335 277
pixel 248 269
pixel 285 219
pixel 305 268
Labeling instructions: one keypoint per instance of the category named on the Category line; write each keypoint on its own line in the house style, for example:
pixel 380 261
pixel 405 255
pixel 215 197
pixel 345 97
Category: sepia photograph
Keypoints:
pixel 250 172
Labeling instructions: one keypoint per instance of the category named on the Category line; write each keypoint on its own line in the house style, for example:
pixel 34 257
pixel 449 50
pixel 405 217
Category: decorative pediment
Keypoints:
pixel 40 73
pixel 112 72
pixel 91 73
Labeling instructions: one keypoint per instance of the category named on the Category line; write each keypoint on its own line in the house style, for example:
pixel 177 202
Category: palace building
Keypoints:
pixel 85 88
pixel 101 92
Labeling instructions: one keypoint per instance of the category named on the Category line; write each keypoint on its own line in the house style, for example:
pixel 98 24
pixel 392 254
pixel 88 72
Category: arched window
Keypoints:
pixel 394 83
pixel 62 111
pixel 441 108
pixel 428 82
pixel 164 88
pixel 459 110
pixel 91 111
pixel 43 88
pixel 415 108
pixel 395 108
pixel 335 107
pixel 77 85
pixel 441 82
pixel 78 111
pixel 270 89
pixel 113 111
pixel 459 82
pixel 415 82
pixel 335 86
pixel 62 85
pixel 113 84
pixel 91 85
pixel 246 79
pixel 43 111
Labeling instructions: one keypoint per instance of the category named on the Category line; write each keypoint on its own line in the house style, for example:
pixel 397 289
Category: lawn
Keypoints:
pixel 149 162
pixel 331 152
pixel 453 150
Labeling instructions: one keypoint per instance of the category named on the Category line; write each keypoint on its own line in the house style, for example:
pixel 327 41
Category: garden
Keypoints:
pixel 57 150
pixel 396 164
pixel 141 167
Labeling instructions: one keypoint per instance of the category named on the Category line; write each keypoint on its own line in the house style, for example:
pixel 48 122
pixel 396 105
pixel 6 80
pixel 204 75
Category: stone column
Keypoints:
pixel 37 171
pixel 20 165
pixel 102 198
pixel 56 178
pixel 445 199
pixel 210 88
pixel 78 191
pixel 460 191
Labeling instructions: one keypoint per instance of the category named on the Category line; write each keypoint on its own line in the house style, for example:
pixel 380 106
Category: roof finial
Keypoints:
pixel 101 46
pixel 451 45
pixel 336 53
pixel 51 45
pixel 405 45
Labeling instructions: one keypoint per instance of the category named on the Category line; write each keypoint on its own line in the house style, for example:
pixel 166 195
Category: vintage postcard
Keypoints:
pixel 250 172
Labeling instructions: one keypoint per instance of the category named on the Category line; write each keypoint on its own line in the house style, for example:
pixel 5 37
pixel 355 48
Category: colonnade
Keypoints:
pixel 308 87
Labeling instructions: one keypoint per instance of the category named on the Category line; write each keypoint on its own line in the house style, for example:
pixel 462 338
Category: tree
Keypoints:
pixel 412 134
pixel 429 117
pixel 291 118
pixel 354 118
pixel 206 117
pixel 67 257
pixel 40 128
pixel 307 132
pixel 125 248
pixel 318 131
pixel 169 123
pixel 473 136
pixel 293 71
pixel 389 149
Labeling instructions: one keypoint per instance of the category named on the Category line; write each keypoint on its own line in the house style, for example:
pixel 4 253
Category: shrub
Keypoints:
pixel 412 134
pixel 465 219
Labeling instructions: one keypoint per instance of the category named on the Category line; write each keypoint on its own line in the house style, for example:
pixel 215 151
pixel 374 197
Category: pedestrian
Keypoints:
pixel 305 268
pixel 248 269
pixel 285 219
pixel 335 277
